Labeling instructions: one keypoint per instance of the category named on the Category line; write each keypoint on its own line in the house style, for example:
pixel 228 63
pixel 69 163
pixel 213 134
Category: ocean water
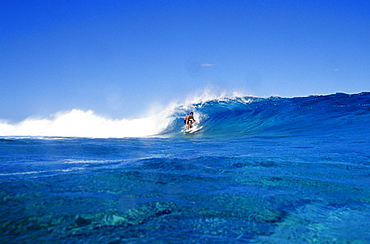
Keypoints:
pixel 261 170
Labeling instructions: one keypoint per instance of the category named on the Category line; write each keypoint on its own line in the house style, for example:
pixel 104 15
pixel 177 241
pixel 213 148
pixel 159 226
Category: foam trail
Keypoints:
pixel 78 123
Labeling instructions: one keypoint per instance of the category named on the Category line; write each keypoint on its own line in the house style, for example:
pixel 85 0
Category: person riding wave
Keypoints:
pixel 189 120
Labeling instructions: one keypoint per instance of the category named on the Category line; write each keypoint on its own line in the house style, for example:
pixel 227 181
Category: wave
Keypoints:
pixel 337 114
pixel 220 116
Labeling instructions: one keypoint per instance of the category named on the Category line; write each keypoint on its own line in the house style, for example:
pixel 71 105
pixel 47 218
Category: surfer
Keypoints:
pixel 189 120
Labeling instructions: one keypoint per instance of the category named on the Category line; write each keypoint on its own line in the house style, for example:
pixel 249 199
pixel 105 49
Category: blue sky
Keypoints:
pixel 118 58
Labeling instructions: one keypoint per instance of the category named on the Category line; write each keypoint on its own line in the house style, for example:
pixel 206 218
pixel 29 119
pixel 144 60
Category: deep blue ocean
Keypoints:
pixel 261 170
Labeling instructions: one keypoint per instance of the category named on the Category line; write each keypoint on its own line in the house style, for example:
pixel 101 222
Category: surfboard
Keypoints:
pixel 193 129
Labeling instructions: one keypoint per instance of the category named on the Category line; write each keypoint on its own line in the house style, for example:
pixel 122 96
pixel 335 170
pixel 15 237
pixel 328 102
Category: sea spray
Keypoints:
pixel 79 123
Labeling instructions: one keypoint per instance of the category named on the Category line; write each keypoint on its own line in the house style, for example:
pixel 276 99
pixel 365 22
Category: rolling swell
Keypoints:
pixel 336 114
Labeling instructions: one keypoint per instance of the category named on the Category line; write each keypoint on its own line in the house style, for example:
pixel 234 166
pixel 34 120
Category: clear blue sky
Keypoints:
pixel 118 58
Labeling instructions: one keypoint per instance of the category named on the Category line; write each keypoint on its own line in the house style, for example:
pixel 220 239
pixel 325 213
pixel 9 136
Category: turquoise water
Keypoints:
pixel 276 170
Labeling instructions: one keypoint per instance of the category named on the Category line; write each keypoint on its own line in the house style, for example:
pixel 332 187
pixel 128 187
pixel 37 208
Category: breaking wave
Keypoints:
pixel 338 114
pixel 220 116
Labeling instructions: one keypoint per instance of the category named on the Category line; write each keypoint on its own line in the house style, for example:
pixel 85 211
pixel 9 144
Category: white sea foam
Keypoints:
pixel 79 123
pixel 42 171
